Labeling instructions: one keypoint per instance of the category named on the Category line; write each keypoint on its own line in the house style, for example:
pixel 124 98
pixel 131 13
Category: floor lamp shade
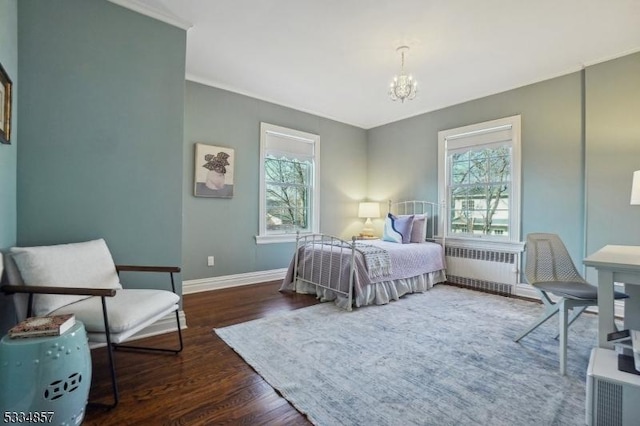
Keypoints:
pixel 635 188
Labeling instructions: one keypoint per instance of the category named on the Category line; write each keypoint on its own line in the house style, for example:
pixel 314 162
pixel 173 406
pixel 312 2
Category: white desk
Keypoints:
pixel 616 264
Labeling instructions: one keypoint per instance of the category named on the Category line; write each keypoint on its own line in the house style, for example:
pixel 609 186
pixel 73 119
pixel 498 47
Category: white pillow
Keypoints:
pixel 88 265
pixel 419 230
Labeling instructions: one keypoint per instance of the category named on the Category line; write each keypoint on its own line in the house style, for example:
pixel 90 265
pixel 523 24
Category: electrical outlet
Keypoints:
pixel 210 261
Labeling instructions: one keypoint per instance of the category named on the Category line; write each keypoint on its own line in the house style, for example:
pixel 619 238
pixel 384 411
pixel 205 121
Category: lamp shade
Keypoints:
pixel 635 188
pixel 370 210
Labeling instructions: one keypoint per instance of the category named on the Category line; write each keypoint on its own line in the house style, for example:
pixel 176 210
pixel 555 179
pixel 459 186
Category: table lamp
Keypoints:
pixel 635 188
pixel 368 211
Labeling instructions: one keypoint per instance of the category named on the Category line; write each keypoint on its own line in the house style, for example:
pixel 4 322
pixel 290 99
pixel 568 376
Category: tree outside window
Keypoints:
pixel 288 185
pixel 480 184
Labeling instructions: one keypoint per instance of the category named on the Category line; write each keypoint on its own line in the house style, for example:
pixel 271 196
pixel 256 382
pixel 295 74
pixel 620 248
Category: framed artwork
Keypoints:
pixel 214 171
pixel 5 106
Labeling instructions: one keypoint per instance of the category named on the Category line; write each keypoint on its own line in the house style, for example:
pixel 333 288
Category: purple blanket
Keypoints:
pixel 407 260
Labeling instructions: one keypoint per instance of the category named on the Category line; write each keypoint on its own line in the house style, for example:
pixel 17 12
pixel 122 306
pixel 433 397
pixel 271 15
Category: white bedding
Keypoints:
pixel 414 268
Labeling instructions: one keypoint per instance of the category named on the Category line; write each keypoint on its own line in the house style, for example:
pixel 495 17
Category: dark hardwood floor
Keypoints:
pixel 207 383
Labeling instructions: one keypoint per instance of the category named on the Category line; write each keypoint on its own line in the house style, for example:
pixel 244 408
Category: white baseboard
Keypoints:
pixel 227 281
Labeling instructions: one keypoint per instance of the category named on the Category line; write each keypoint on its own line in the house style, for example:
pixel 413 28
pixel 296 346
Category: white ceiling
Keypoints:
pixel 336 58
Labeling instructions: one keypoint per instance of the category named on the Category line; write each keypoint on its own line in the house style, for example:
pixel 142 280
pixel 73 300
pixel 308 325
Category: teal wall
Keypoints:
pixel 580 135
pixel 612 152
pixel 226 228
pixel 101 129
pixel 8 153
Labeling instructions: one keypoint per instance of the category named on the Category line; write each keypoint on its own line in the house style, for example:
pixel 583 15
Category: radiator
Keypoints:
pixel 482 269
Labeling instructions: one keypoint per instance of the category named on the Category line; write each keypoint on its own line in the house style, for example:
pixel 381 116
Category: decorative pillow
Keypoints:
pixel 419 228
pixel 88 265
pixel 397 229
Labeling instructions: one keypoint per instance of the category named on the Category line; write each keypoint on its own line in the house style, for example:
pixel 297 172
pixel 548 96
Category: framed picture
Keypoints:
pixel 214 171
pixel 5 106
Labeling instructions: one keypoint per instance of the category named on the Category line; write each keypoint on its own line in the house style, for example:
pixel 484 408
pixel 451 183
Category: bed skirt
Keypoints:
pixel 379 293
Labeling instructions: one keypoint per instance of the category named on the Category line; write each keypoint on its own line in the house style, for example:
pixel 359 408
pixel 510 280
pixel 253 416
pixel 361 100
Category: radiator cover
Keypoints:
pixel 482 269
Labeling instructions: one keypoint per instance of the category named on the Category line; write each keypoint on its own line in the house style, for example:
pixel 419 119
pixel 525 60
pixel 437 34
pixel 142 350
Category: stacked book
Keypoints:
pixel 52 325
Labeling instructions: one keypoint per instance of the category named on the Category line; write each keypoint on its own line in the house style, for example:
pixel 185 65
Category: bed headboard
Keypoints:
pixel 418 207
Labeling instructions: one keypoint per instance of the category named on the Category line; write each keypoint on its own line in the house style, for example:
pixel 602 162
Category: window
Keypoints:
pixel 468 204
pixel 289 200
pixel 479 181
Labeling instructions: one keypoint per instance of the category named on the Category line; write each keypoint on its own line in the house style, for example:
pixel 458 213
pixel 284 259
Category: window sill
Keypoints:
pixel 275 239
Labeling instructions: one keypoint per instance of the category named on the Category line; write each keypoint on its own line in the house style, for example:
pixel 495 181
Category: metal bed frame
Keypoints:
pixel 338 246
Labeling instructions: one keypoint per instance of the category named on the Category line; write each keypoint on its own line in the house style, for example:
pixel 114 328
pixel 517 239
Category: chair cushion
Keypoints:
pixel 87 264
pixel 573 290
pixel 126 310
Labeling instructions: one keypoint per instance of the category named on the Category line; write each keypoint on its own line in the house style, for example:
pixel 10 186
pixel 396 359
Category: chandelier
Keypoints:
pixel 403 86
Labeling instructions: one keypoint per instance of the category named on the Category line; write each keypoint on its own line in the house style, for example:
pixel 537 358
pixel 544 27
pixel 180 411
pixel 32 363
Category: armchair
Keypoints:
pixel 82 279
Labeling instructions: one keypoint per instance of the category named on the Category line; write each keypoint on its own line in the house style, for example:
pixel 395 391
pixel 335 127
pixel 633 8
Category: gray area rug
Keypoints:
pixel 444 357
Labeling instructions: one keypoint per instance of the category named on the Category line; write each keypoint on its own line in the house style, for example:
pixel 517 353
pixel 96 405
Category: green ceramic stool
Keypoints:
pixel 45 380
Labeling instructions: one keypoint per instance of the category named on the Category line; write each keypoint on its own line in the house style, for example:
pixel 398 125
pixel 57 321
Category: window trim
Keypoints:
pixel 447 137
pixel 269 238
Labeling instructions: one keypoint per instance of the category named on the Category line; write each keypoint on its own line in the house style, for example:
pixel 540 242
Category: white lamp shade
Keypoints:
pixel 369 210
pixel 635 188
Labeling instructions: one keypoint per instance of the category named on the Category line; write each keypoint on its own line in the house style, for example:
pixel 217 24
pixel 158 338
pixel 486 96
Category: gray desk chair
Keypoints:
pixel 550 270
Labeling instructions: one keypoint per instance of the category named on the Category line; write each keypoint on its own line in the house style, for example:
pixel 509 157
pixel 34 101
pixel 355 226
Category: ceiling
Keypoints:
pixel 336 58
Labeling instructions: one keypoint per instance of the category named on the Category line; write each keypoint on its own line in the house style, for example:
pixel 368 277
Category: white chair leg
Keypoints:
pixel 549 311
pixel 574 316
pixel 564 326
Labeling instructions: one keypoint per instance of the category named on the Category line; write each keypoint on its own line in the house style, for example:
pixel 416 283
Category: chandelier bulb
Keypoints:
pixel 403 86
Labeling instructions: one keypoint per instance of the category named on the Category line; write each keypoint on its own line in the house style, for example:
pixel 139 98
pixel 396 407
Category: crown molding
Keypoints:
pixel 154 13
